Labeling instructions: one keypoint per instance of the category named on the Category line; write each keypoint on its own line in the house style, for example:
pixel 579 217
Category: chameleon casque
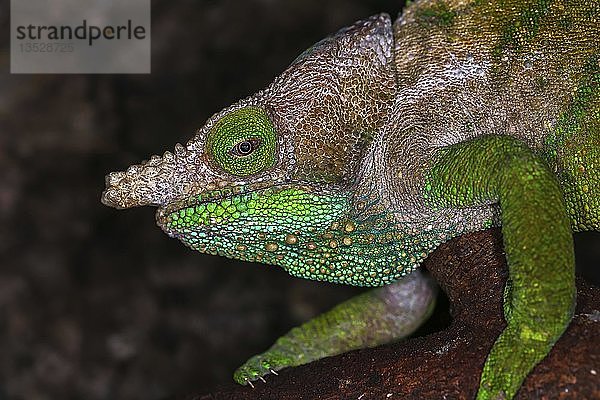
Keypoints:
pixel 385 140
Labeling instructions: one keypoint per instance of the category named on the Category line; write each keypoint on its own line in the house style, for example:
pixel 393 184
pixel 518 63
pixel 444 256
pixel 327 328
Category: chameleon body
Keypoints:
pixel 387 139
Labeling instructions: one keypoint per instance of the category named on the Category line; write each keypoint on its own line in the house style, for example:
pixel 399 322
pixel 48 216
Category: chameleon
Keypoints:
pixel 387 139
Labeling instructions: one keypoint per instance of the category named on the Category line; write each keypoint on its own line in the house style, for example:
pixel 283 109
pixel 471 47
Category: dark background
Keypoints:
pixel 100 304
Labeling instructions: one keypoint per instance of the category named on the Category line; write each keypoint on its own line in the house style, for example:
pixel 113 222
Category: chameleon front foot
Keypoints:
pixel 261 365
pixel 375 317
pixel 501 376
pixel 538 243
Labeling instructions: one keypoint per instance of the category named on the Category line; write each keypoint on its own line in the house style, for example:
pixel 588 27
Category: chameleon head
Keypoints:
pixel 272 178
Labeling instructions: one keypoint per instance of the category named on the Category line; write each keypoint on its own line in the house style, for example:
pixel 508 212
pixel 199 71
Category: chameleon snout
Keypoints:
pixel 155 182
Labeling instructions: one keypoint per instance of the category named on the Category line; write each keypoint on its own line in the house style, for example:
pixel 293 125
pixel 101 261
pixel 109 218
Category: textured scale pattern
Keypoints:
pixel 540 298
pixel 309 235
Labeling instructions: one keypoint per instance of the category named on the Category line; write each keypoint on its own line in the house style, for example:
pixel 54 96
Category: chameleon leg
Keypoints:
pixel 375 317
pixel 538 242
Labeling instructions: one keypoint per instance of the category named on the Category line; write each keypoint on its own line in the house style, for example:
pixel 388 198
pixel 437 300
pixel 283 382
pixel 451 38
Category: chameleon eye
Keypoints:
pixel 245 147
pixel 243 142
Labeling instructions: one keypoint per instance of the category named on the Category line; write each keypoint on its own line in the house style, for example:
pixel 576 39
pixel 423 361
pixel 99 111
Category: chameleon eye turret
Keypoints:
pixel 243 142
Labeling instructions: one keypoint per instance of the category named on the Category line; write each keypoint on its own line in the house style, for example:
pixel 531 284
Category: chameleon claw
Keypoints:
pixel 262 379
pixel 273 372
pixel 249 383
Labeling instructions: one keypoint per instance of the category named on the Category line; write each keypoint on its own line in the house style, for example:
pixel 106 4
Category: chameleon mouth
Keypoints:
pixel 210 195
pixel 218 206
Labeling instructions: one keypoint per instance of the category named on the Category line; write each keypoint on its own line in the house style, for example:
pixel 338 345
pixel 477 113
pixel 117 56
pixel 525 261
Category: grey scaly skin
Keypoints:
pixel 385 140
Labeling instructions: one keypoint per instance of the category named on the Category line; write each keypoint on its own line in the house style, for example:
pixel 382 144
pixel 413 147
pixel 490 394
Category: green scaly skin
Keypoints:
pixel 539 248
pixel 385 140
pixel 351 325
